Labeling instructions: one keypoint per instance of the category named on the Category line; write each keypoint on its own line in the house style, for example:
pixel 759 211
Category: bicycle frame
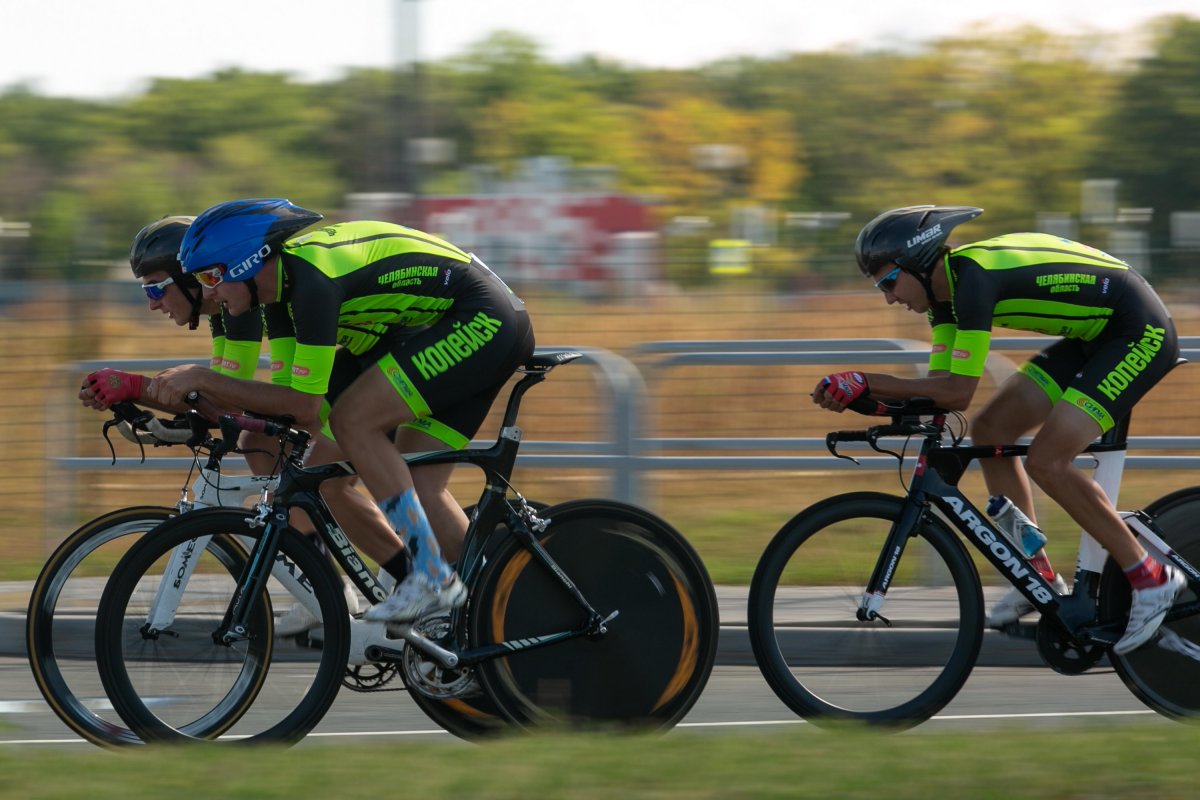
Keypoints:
pixel 935 482
pixel 299 488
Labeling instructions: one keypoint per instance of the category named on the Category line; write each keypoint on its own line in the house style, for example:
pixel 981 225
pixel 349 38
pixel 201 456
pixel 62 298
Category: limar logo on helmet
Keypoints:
pixel 925 236
pixel 250 265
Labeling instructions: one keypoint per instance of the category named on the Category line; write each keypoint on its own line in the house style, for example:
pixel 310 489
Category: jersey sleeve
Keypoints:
pixel 243 340
pixel 943 327
pixel 974 304
pixel 315 302
pixel 281 337
pixel 216 327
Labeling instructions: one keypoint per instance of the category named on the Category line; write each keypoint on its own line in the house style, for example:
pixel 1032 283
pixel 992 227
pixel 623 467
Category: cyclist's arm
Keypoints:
pixel 172 385
pixel 947 390
pixel 240 343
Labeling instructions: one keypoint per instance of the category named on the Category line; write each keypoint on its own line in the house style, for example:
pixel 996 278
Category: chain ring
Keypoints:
pixel 1062 655
pixel 371 677
pixel 424 675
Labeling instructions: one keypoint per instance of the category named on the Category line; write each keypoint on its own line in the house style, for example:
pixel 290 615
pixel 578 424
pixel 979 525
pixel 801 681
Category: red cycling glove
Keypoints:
pixel 113 385
pixel 845 387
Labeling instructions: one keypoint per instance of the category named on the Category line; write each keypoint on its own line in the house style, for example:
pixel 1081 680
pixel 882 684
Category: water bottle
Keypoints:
pixel 1013 523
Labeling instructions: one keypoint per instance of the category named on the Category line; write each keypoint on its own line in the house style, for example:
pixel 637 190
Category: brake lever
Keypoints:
pixel 109 425
pixel 831 442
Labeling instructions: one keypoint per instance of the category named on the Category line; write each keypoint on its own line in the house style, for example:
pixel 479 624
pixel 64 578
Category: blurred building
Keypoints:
pixel 552 224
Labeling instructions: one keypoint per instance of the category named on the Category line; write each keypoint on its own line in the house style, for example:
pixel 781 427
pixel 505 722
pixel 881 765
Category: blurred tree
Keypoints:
pixel 1149 137
pixel 1011 121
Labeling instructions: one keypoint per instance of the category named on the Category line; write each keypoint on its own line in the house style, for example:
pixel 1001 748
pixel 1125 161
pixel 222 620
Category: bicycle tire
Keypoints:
pixel 653 662
pixel 474 717
pixel 1159 677
pixel 815 654
pixel 61 651
pixel 159 683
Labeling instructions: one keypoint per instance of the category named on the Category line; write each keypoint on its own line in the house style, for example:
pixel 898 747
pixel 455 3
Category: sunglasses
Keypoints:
pixel 888 282
pixel 210 277
pixel 157 291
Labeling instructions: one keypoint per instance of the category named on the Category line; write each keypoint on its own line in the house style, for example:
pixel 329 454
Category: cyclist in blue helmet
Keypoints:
pixel 430 336
pixel 1117 340
pixel 236 342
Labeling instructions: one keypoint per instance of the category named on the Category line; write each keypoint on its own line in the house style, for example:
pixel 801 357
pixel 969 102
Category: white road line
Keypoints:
pixel 742 724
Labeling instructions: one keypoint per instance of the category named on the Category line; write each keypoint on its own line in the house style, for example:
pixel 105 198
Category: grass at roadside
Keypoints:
pixel 1151 761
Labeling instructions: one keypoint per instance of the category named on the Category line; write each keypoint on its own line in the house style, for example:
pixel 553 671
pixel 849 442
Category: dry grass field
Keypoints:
pixel 728 515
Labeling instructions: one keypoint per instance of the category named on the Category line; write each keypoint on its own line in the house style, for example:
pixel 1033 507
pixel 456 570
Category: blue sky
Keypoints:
pixel 102 49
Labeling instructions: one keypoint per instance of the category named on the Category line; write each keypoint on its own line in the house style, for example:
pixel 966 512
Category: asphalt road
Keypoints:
pixel 736 699
pixel 1009 687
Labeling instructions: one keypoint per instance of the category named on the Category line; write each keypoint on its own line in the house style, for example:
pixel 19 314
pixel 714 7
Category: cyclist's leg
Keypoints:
pixel 440 381
pixel 1023 402
pixel 1066 432
pixel 1017 407
pixel 431 481
pixel 1122 366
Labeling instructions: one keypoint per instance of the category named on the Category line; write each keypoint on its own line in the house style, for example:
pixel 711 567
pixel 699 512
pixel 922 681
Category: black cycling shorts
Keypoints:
pixel 1107 376
pixel 451 372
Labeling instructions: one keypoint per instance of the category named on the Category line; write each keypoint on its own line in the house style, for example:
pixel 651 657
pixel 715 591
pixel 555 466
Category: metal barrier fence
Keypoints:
pixel 626 454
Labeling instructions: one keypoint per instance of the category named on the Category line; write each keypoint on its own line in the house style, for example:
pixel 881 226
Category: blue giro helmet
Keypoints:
pixel 241 235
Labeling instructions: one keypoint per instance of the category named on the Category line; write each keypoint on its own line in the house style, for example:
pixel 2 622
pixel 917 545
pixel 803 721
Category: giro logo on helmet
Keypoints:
pixel 250 265
pixel 925 236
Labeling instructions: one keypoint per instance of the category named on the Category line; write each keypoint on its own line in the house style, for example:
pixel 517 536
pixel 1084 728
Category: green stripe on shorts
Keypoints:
pixel 440 431
pixel 1090 407
pixel 1039 376
pixel 404 387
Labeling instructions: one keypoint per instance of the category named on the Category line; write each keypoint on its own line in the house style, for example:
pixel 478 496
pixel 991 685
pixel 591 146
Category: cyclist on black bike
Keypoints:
pixel 431 333
pixel 1118 341
pixel 236 341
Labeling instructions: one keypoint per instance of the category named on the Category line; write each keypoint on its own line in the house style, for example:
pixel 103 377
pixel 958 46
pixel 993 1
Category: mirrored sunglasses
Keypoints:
pixel 210 277
pixel 888 282
pixel 156 291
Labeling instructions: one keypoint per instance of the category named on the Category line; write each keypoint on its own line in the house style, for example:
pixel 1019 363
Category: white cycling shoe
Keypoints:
pixel 417 596
pixel 1014 605
pixel 299 619
pixel 1147 610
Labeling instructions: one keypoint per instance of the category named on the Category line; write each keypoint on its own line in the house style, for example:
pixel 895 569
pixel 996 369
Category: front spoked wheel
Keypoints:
pixel 61 621
pixel 1162 677
pixel 646 670
pixel 164 663
pixel 823 662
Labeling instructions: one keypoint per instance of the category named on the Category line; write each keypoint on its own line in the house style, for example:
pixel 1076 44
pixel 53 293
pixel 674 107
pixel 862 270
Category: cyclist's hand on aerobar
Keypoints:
pixel 839 390
pixel 169 386
pixel 106 386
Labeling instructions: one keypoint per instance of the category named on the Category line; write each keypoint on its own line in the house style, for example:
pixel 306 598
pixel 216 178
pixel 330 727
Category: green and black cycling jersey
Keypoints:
pixel 356 283
pixel 236 342
pixel 1024 281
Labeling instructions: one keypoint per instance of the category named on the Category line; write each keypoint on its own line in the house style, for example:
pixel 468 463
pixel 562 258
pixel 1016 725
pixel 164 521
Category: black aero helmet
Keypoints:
pixel 156 249
pixel 912 237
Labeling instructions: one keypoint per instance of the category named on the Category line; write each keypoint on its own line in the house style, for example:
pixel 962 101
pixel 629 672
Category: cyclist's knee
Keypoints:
pixel 1047 464
pixel 991 429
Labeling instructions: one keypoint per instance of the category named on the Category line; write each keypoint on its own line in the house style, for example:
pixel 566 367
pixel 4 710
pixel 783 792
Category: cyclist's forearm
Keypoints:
pixel 257 396
pixel 948 391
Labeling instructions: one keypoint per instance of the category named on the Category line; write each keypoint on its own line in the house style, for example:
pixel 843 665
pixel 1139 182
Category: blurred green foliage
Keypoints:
pixel 1010 121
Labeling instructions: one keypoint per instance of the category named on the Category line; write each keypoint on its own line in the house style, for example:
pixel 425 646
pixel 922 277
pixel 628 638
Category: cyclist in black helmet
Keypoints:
pixel 154 260
pixel 1118 341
